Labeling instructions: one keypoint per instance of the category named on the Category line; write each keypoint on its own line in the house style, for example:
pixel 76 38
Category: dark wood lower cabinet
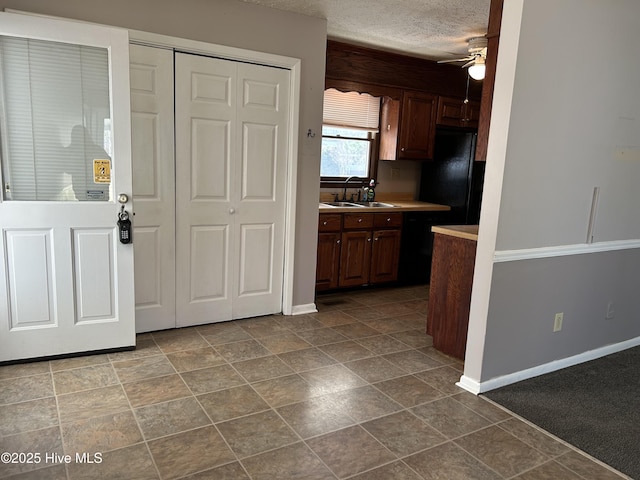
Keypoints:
pixel 385 256
pixel 450 293
pixel 357 249
pixel 354 258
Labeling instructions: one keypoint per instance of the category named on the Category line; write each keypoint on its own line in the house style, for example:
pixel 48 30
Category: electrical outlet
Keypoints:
pixel 557 322
pixel 611 311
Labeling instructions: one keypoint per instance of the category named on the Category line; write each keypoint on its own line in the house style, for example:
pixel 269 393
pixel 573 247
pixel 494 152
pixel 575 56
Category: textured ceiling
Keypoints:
pixel 433 29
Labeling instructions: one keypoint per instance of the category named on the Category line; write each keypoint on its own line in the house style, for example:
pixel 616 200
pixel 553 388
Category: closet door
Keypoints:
pixel 152 136
pixel 231 147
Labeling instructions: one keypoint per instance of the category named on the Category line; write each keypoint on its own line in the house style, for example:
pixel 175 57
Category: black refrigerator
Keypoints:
pixel 452 178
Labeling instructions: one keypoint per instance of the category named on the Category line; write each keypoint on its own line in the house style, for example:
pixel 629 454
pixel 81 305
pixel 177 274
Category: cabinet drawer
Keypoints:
pixel 387 220
pixel 329 222
pixel 358 221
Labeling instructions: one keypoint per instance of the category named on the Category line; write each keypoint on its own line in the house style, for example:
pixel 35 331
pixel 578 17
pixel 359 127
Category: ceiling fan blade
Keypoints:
pixel 465 59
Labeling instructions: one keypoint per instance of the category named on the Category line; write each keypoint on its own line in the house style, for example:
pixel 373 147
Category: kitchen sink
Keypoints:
pixel 376 204
pixel 343 204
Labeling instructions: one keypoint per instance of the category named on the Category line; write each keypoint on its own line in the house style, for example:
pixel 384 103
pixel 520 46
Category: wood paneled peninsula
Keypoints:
pixel 454 254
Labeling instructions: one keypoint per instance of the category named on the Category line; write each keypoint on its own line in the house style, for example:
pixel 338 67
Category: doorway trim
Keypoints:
pixel 294 66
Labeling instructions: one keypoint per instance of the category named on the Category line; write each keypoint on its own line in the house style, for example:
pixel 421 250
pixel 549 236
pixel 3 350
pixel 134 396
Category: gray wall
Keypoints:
pixel 236 24
pixel 569 122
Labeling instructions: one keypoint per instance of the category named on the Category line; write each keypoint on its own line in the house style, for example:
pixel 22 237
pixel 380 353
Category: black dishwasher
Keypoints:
pixel 417 245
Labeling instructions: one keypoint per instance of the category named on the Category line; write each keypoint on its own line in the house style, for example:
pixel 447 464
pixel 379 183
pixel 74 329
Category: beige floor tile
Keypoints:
pixel 548 471
pixel 442 378
pixel 349 451
pixel 24 370
pixel 92 403
pixel 189 452
pixel 55 472
pixel 40 442
pixel 194 359
pixel 167 418
pixel 300 323
pixel 28 416
pixel 321 336
pixel 585 467
pixel 396 471
pixel 156 390
pixel 365 403
pixel 230 471
pixel 403 433
pixel 212 379
pixel 375 369
pixel 356 330
pixel 171 341
pixel 263 327
pixel 409 391
pixel 383 344
pixel 413 338
pixel 136 369
pixel 101 434
pixel 535 437
pixel 129 462
pixel 412 361
pixel 332 318
pixel 240 351
pixel 293 462
pixel 22 389
pixel 232 403
pixel 315 416
pixel 262 368
pixel 85 378
pixel 308 359
pixel 501 451
pixel 482 406
pixel 284 342
pixel 78 362
pixel 346 351
pixel 256 433
pixel 221 336
pixel 331 379
pixel 450 462
pixel 284 390
pixel 145 346
pixel 447 416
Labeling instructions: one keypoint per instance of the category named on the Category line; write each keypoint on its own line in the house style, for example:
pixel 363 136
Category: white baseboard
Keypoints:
pixel 302 309
pixel 476 387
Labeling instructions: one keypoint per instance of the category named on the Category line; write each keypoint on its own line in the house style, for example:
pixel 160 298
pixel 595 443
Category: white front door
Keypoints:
pixel 153 187
pixel 66 281
pixel 232 127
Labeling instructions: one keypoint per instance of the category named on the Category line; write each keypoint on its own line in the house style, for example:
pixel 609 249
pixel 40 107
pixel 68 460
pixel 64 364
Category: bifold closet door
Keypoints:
pixel 232 123
pixel 152 133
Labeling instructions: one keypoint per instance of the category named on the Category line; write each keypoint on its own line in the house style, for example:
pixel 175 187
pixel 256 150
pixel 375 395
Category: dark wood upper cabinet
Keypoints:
pixel 417 126
pixel 455 112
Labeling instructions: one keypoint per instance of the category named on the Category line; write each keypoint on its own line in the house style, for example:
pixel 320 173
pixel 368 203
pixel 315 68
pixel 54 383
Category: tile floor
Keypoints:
pixel 355 391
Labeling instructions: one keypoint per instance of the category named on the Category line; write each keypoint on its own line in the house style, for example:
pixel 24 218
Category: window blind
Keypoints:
pixel 351 109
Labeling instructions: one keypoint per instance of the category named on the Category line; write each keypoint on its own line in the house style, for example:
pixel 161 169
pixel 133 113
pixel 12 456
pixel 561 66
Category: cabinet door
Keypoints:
pixel 385 256
pixel 389 123
pixel 328 264
pixel 355 255
pixel 417 126
pixel 453 112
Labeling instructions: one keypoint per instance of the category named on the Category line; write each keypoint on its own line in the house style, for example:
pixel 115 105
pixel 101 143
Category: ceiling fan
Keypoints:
pixel 476 58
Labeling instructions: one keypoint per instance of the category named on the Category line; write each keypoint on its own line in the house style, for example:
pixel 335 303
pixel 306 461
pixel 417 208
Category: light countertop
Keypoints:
pixel 400 202
pixel 469 232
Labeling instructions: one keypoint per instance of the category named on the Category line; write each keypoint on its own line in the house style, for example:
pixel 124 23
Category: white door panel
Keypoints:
pixel 153 186
pixel 66 282
pixel 231 144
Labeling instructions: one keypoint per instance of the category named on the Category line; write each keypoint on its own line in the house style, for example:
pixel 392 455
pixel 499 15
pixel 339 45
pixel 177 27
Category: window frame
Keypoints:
pixel 355 182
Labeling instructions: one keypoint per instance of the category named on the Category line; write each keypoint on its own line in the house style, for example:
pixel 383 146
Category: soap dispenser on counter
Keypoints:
pixel 371 191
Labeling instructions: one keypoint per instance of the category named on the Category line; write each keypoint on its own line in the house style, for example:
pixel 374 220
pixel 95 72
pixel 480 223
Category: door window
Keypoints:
pixel 55 121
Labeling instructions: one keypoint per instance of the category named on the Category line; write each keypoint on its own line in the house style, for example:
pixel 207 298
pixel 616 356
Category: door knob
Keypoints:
pixel 123 198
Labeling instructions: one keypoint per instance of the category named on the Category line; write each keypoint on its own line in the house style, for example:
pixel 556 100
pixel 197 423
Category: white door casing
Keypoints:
pixel 152 137
pixel 66 282
pixel 231 157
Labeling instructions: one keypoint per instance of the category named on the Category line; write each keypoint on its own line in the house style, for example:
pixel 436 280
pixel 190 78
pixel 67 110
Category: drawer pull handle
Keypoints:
pixel 324 223
pixel 369 239
pixel 337 241
pixel 388 219
pixel 376 239
pixel 359 220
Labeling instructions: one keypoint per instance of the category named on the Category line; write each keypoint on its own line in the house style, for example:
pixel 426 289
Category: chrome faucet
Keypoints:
pixel 346 184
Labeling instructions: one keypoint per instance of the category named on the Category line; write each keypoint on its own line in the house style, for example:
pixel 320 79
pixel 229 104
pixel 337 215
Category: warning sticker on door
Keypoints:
pixel 101 171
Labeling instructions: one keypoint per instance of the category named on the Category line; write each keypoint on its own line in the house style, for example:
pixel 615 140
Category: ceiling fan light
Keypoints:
pixel 477 71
